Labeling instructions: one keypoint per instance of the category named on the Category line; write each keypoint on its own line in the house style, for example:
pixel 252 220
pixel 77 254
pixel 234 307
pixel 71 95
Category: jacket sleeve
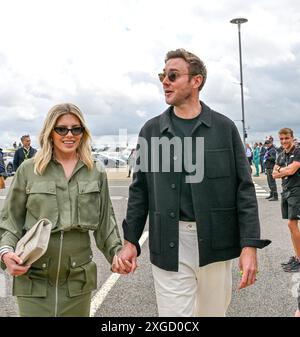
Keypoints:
pixel 13 213
pixel 137 208
pixel 247 208
pixel 107 235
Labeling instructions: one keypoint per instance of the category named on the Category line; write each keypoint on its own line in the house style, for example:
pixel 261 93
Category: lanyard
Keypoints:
pixel 26 154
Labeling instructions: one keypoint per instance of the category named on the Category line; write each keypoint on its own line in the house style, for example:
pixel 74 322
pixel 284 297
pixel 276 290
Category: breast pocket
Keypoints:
pixel 88 204
pixel 41 203
pixel 217 163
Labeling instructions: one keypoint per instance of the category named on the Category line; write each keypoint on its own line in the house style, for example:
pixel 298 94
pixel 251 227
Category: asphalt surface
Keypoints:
pixel 273 295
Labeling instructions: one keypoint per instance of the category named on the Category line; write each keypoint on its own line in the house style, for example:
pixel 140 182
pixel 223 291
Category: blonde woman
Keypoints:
pixel 63 184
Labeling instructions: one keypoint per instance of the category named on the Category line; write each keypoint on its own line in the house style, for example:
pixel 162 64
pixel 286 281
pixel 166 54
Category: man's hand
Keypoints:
pixel 248 266
pixel 14 264
pixel 126 260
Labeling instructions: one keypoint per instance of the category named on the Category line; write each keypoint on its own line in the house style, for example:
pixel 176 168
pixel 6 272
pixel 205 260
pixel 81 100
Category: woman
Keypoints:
pixel 63 184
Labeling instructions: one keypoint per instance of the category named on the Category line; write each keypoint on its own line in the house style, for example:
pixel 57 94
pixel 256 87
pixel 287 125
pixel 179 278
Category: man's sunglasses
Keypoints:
pixel 172 75
pixel 63 131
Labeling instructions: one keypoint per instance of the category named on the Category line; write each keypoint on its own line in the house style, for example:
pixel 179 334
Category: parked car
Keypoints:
pixel 8 157
pixel 109 160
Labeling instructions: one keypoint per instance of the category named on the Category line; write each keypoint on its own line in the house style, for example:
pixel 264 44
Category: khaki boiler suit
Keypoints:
pixel 61 281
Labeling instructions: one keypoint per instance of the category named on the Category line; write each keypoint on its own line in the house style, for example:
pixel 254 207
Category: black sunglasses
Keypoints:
pixel 172 75
pixel 63 131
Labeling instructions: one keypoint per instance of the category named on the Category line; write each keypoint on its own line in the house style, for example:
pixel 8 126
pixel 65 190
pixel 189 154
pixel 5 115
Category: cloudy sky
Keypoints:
pixel 104 56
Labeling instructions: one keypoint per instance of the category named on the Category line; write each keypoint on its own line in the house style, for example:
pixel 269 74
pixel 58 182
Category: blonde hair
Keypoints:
pixel 44 155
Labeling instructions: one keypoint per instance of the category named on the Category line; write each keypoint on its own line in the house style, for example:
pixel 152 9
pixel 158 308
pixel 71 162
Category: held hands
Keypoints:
pixel 14 264
pixel 126 260
pixel 248 267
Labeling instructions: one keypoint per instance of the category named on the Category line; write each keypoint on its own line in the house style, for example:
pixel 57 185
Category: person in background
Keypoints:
pixel 63 184
pixel 262 151
pixel 2 171
pixel 256 158
pixel 269 160
pixel 288 169
pixel 24 152
pixel 131 162
pixel 249 154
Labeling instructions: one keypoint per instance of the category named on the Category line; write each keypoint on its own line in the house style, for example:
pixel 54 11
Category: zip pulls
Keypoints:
pixel 58 270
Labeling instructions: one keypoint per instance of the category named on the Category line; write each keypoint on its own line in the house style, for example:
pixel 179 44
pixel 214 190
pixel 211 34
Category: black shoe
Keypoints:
pixel 273 199
pixel 293 267
pixel 290 261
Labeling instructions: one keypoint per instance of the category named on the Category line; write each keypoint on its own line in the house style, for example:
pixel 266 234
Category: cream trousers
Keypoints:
pixel 193 291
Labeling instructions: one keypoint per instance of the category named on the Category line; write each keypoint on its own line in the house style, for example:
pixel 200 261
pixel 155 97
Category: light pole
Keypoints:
pixel 239 21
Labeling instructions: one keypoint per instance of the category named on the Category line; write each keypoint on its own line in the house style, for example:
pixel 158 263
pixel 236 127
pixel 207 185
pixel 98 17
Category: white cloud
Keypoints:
pixel 104 56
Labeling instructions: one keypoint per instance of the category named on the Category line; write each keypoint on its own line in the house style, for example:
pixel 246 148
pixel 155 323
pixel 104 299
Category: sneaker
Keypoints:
pixel 290 261
pixel 293 267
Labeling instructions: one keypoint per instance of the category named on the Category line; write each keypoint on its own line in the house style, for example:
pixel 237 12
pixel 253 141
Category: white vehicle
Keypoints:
pixel 109 159
pixel 8 157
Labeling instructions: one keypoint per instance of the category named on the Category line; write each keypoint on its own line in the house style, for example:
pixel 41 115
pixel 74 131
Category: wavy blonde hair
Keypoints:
pixel 44 155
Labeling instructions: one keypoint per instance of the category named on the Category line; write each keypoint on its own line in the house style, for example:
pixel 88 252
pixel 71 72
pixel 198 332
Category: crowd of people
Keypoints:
pixel 201 217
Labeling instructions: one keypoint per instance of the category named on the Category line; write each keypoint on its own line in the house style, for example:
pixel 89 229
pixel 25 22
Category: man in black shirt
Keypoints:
pixel 288 168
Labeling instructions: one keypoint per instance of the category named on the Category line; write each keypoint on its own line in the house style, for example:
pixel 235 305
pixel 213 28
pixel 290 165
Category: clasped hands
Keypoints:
pixel 125 261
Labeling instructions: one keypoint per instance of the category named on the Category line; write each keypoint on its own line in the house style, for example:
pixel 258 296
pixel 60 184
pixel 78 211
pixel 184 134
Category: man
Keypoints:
pixel 200 216
pixel 269 160
pixel 288 169
pixel 24 152
pixel 262 151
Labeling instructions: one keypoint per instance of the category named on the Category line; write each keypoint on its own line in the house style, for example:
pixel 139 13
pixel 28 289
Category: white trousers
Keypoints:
pixel 193 291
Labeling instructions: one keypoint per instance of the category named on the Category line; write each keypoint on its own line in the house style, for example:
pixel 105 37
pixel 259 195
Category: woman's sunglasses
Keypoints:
pixel 172 75
pixel 63 131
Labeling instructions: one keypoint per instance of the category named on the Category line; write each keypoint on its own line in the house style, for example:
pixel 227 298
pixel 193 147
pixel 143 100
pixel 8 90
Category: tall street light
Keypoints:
pixel 239 21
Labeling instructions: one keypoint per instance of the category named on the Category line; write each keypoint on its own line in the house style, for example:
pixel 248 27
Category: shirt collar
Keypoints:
pixel 205 117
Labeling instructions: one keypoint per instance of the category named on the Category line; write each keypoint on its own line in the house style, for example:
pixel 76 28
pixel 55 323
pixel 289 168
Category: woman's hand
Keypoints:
pixel 14 264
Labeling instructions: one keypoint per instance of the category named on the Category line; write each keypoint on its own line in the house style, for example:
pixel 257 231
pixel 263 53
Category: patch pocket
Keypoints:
pixel 224 226
pixel 217 163
pixel 82 277
pixel 88 204
pixel 35 282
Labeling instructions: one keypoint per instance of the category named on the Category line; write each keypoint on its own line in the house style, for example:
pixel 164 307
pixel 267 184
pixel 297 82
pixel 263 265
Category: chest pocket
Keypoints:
pixel 217 163
pixel 41 203
pixel 88 204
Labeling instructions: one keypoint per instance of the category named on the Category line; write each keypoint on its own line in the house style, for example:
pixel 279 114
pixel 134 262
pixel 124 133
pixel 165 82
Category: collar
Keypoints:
pixel 205 117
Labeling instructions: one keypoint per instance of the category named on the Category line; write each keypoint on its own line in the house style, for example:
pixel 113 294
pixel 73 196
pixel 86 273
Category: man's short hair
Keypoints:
pixel 286 131
pixel 23 137
pixel 267 142
pixel 196 66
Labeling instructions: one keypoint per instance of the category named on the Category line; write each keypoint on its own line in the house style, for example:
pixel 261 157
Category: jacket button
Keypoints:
pixel 175 157
pixel 173 186
pixel 172 244
pixel 172 215
pixel 74 264
pixel 44 265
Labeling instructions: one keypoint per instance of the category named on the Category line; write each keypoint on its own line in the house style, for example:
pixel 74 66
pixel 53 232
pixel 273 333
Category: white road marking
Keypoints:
pixel 116 197
pixel 99 297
